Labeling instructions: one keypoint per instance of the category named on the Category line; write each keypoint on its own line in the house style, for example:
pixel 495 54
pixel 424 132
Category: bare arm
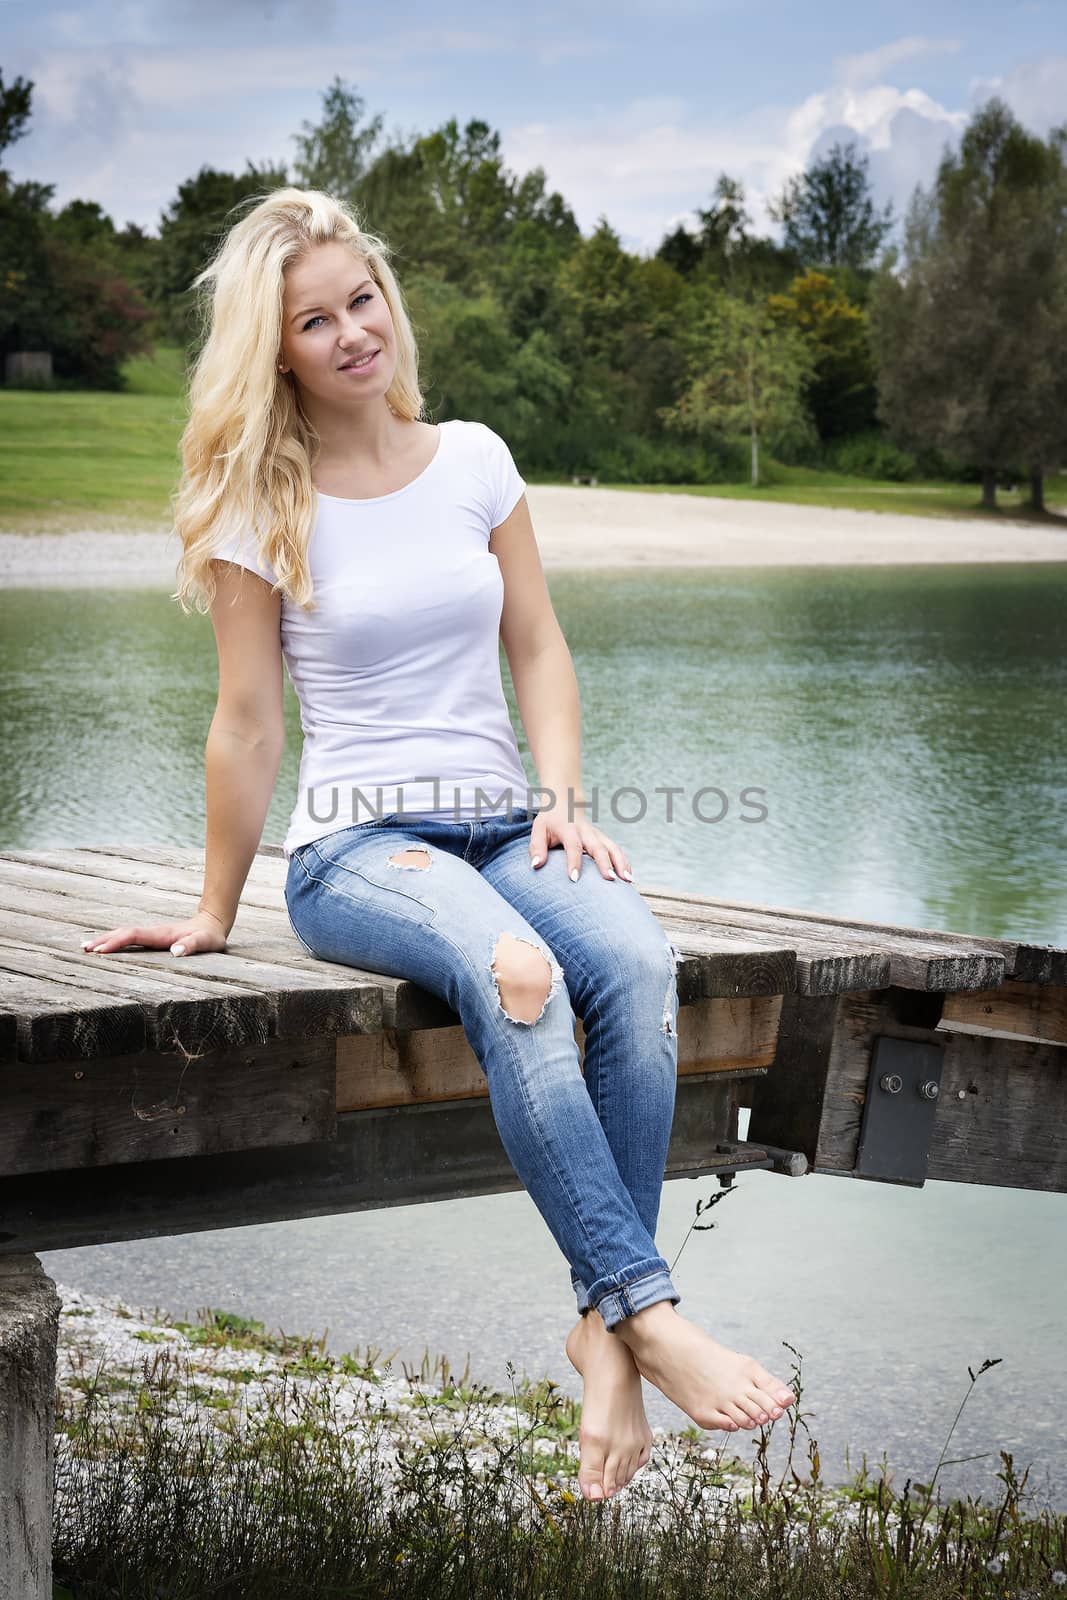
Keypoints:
pixel 546 688
pixel 247 734
pixel 241 768
pixel 242 756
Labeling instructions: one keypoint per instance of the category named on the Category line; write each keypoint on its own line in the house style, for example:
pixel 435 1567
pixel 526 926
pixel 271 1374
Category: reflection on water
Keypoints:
pixel 905 727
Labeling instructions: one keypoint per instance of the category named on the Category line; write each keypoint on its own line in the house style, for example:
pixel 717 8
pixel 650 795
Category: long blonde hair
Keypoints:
pixel 248 447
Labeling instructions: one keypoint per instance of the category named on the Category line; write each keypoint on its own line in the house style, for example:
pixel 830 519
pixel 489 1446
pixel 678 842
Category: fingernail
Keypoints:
pixel 574 874
pixel 177 949
pixel 536 862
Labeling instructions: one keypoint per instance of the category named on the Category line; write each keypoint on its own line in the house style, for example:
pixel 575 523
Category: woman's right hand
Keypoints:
pixel 201 932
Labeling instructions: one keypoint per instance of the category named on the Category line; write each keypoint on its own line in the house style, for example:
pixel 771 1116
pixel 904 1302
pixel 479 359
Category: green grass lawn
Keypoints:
pixel 805 486
pixel 83 459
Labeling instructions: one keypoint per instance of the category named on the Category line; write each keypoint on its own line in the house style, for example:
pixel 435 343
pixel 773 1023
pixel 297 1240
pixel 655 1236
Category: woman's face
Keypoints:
pixel 334 315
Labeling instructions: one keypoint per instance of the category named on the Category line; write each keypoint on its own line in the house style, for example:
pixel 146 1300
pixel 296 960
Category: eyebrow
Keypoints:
pixel 308 309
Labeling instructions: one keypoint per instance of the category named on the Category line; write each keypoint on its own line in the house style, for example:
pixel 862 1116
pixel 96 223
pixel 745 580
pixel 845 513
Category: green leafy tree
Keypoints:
pixel 191 230
pixel 725 251
pixel 828 213
pixel 746 373
pixel 334 154
pixel 969 335
pixel 448 204
pixel 16 100
pixel 842 395
pixel 25 272
pixel 618 317
pixel 62 288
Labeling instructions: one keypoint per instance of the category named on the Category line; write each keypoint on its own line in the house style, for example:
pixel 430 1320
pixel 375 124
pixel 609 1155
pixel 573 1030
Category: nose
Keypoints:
pixel 351 330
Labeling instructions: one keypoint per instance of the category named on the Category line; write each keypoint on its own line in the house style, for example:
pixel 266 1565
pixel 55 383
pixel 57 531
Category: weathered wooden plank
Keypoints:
pixel 728 968
pixel 729 1034
pixel 117 904
pixel 88 916
pixel 787 1104
pixel 1031 963
pixel 55 1023
pixel 403 1004
pixel 393 1068
pixel 182 1014
pixel 913 963
pixel 826 967
pixel 1034 1011
pixel 296 1003
pixel 829 970
pixel 265 868
pixel 153 1106
pixel 400 1156
pixel 1001 1114
pixel 118 875
pixel 737 966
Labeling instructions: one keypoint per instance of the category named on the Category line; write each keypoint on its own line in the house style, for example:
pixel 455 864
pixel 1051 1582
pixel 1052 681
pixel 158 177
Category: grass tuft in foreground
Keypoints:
pixel 276 1470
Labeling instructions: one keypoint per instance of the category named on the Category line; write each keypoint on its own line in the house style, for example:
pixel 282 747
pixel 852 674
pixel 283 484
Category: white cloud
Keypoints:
pixel 648 163
pixel 1035 90
pixel 873 65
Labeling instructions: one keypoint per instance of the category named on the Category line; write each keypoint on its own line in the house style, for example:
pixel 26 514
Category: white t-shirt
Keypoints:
pixel 397 671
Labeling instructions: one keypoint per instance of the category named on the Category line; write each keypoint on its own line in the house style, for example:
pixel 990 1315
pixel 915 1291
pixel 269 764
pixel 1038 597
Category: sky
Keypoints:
pixel 632 109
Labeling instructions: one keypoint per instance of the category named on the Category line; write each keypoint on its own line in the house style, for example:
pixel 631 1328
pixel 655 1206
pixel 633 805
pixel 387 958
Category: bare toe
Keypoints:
pixel 591 1473
pixel 773 1387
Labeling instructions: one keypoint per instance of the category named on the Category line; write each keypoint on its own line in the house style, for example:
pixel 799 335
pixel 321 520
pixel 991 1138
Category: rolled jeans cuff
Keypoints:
pixel 648 1282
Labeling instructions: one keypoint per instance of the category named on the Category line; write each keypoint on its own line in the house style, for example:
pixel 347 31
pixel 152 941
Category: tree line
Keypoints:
pixel 708 360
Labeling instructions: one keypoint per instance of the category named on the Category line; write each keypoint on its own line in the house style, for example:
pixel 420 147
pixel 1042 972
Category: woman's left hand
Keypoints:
pixel 578 838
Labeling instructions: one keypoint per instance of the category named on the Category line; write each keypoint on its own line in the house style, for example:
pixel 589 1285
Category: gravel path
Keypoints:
pixel 581 527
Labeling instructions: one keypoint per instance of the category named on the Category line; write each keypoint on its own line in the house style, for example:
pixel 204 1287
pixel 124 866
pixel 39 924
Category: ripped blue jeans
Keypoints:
pixel 427 899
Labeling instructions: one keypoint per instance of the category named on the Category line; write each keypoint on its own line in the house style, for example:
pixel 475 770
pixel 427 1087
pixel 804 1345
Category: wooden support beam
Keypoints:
pixel 1015 1010
pixel 393 1068
pixel 812 1098
pixel 401 1156
pixel 157 1106
pixel 1001 1114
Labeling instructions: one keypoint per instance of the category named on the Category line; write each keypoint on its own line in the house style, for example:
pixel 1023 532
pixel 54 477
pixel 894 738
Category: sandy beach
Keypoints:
pixel 582 527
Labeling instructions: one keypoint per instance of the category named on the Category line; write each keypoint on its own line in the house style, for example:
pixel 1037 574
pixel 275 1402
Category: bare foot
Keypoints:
pixel 614 1434
pixel 716 1386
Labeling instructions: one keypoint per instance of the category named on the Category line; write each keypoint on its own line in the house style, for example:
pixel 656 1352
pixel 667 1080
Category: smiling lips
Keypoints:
pixel 361 364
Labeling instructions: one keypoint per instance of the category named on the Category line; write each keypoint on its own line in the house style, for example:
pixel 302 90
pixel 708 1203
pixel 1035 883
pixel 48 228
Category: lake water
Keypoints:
pixel 905 729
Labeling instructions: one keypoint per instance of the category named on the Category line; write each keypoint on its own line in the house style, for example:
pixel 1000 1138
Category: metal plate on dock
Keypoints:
pixel 899 1108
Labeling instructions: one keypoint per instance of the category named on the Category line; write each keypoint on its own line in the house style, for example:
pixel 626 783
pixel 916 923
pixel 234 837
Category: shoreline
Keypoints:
pixel 593 529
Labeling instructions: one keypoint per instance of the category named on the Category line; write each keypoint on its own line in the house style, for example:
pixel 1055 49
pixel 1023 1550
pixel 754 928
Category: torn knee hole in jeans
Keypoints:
pixel 669 1024
pixel 417 857
pixel 523 977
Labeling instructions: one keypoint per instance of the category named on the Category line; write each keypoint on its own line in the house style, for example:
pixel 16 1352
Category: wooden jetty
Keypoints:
pixel 145 1096
pixel 261 1083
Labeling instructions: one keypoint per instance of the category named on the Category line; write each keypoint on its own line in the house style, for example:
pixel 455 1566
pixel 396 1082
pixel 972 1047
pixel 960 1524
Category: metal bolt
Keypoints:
pixel 891 1082
pixel 930 1089
pixel 961 1094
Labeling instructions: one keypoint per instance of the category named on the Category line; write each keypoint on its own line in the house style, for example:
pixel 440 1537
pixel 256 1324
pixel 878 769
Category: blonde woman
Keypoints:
pixel 325 522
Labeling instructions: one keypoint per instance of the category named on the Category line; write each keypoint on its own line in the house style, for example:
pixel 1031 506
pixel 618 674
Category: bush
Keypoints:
pixel 635 459
pixel 871 455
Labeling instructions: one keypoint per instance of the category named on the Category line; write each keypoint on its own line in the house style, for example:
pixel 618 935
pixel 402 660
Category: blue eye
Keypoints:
pixel 313 320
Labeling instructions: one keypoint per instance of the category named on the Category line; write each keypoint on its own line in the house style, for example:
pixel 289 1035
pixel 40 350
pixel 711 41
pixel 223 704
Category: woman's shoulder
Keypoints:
pixel 482 442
